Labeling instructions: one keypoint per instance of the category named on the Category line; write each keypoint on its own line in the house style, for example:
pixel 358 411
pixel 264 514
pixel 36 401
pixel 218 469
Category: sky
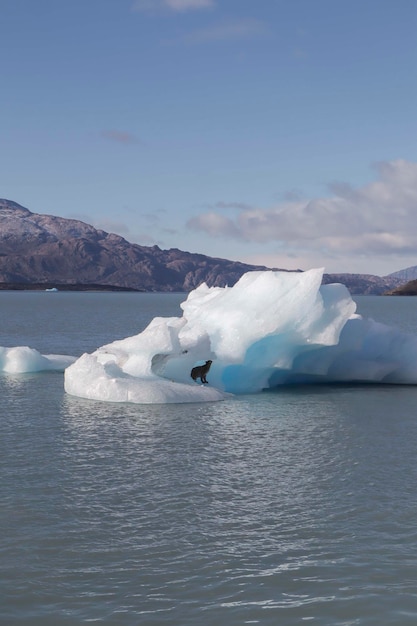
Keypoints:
pixel 273 132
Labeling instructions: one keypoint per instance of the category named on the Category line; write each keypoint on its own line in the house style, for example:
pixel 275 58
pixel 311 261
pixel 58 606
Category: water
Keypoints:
pixel 281 508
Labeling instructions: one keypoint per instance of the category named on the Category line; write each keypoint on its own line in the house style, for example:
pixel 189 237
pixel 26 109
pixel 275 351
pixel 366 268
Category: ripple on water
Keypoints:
pixel 283 508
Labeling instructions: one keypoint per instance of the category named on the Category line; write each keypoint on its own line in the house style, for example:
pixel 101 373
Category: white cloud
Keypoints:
pixel 225 31
pixel 215 225
pixel 376 219
pixel 186 5
pixel 229 205
pixel 120 136
pixel 177 6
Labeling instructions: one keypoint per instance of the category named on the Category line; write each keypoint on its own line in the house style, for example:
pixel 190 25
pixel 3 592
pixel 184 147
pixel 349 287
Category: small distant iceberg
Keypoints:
pixel 270 329
pixel 52 289
pixel 22 360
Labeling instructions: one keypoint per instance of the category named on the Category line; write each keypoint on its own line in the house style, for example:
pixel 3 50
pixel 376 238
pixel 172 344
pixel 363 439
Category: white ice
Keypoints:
pixel 270 329
pixel 22 359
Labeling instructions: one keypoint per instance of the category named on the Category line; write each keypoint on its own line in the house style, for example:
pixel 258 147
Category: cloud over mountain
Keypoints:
pixel 377 218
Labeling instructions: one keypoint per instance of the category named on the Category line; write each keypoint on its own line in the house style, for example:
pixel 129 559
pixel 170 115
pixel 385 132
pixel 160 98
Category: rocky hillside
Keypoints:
pixel 409 289
pixel 41 250
pixel 408 274
pixel 364 284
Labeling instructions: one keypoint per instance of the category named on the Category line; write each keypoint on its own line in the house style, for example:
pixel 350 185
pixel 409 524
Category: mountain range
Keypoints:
pixel 44 250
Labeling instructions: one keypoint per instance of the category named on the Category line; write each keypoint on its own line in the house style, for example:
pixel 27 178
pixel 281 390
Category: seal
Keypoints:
pixel 200 371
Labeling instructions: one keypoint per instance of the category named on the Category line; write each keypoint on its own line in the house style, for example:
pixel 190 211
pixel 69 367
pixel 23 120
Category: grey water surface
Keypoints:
pixel 282 508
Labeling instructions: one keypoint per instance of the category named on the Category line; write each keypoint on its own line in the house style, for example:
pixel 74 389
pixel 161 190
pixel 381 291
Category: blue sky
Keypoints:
pixel 280 132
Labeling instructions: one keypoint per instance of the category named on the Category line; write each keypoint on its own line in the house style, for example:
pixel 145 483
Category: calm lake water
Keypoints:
pixel 282 508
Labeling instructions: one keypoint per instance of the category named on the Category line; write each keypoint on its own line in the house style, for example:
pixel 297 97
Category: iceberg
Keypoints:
pixel 22 360
pixel 271 328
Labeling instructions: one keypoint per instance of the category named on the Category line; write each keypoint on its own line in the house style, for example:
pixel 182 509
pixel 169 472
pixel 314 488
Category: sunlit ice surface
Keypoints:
pixel 270 329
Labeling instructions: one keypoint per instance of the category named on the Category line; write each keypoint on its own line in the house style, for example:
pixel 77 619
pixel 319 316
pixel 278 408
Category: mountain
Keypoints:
pixel 409 289
pixel 46 250
pixel 364 284
pixel 410 273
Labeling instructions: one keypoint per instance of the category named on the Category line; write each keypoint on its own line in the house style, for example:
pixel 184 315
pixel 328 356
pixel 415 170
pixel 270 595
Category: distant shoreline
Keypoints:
pixel 58 287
